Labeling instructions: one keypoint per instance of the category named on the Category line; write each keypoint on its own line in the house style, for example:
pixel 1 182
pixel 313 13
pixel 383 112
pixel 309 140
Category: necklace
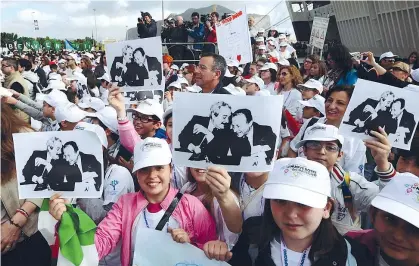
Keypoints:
pixel 285 254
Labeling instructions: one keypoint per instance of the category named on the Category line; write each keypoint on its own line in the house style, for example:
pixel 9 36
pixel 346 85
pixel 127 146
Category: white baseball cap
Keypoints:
pixel 282 44
pixel 256 80
pixel 149 107
pixel 151 152
pixel 228 74
pixel 262 47
pixel 284 62
pixel 182 80
pixel 55 98
pixel 260 39
pixel 105 77
pixel 261 30
pixel 108 117
pixel 321 132
pixel 240 69
pixel 282 36
pixel 55 84
pixel 317 101
pixel 75 57
pixel 387 55
pixel 312 84
pixel 415 74
pixel 166 113
pixel 267 66
pixel 91 102
pixel 54 76
pixel 175 67
pixel 400 197
pixel 184 65
pixel 272 42
pixel 233 63
pixel 100 133
pixel 175 84
pixel 62 61
pixel 235 90
pixel 194 88
pixel 299 180
pixel 270 39
pixel 69 112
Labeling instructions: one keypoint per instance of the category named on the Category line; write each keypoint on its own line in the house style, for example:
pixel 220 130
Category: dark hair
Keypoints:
pixel 46 60
pixel 140 49
pixel 53 66
pixel 72 144
pixel 147 14
pixel 25 64
pixel 402 102
pixel 348 89
pixel 245 112
pixel 416 63
pixel 276 34
pixel 342 57
pixel 114 136
pixel 313 57
pixel 273 75
pixel 87 62
pixel 322 69
pixel 195 14
pixel 325 238
pixel 263 60
pixel 215 14
pixel 413 153
pixel 11 62
pixel 219 63
pixel 71 96
pixel 101 62
pixel 166 120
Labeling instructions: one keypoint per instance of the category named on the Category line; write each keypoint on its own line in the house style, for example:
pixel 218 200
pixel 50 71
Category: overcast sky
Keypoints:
pixel 75 19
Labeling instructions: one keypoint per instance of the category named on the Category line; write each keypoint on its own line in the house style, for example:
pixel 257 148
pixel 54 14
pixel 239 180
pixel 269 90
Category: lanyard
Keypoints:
pixel 145 219
pixel 243 205
pixel 285 255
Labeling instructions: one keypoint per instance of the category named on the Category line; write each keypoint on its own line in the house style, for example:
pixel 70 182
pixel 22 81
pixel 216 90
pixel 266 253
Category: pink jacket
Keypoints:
pixel 366 237
pixel 191 215
pixel 127 135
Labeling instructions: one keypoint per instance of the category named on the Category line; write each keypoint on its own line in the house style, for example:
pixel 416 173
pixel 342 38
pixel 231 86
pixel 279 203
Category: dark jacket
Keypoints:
pixel 154 65
pixel 178 35
pixel 262 135
pixel 91 80
pixel 90 164
pixel 147 30
pixel 197 34
pixel 220 90
pixel 336 257
pixel 387 78
pixel 99 72
pixel 63 177
pixel 407 121
pixel 117 72
pixel 30 169
pixel 42 76
pixel 135 74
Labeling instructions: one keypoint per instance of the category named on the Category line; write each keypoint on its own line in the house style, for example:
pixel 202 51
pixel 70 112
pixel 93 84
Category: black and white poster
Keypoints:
pixel 133 97
pixel 69 162
pixel 238 133
pixel 137 64
pixel 374 105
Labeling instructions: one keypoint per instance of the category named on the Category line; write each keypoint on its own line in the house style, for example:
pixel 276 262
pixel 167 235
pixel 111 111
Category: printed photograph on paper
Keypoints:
pixel 238 133
pixel 374 105
pixel 69 162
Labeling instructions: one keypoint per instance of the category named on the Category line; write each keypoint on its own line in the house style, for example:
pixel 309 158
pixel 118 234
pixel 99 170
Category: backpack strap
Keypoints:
pixel 347 195
pixel 34 84
pixel 169 211
pixel 311 122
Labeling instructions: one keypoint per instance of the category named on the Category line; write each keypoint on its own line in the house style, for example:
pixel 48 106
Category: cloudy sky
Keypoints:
pixel 76 19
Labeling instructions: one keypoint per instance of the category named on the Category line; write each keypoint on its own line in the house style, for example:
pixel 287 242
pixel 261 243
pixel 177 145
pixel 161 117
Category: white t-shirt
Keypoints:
pixel 291 99
pixel 118 181
pixel 294 258
pixel 271 88
pixel 46 69
pixel 179 177
pixel 252 202
pixel 354 157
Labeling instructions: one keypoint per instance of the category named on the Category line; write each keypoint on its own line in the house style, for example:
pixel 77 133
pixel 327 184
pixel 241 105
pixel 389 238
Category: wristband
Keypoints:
pixel 15 224
pixel 23 212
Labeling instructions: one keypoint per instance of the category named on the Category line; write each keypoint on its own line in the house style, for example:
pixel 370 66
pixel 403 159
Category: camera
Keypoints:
pixel 188 24
pixel 205 18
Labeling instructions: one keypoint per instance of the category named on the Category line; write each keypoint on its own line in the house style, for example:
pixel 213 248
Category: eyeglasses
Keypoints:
pixel 317 145
pixel 284 74
pixel 142 118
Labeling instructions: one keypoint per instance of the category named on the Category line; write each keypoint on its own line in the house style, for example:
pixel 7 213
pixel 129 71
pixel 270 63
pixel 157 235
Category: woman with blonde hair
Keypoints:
pixel 289 77
pixel 21 243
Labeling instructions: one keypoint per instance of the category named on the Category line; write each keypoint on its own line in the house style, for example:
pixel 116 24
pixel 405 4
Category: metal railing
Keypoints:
pixel 192 55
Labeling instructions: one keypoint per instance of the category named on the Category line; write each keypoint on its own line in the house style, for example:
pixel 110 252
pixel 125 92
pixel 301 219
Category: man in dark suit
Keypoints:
pixel 87 165
pixel 40 164
pixel 152 65
pixel 405 120
pixel 210 73
pixel 207 137
pixel 372 114
pixel 119 65
pixel 250 139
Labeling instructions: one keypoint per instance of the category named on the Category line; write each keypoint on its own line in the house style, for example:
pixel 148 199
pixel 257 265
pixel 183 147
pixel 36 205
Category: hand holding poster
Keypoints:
pixel 319 31
pixel 169 253
pixel 70 162
pixel 374 105
pixel 239 133
pixel 233 38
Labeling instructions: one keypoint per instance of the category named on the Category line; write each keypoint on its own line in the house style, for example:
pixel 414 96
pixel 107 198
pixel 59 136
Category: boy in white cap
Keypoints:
pixel 310 88
pixel 313 107
pixel 168 95
pixel 254 84
pixel 91 104
pixel 68 116
pixel 395 218
pixel 352 192
pixel 387 59
pixel 117 182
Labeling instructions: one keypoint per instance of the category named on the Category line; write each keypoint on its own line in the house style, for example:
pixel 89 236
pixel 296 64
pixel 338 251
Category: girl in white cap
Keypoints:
pixel 297 229
pixel 395 217
pixel 188 222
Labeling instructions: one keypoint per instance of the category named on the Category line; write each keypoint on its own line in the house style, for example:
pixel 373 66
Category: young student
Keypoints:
pixel 250 187
pixel 212 187
pixel 395 217
pixel 254 84
pixel 190 222
pixel 297 228
pixel 352 192
pixel 117 182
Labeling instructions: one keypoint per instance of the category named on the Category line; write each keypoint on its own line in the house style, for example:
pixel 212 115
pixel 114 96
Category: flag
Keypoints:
pixel 76 234
pixel 69 45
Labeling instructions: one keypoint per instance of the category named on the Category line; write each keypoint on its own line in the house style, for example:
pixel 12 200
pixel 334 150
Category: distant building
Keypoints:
pixel 377 26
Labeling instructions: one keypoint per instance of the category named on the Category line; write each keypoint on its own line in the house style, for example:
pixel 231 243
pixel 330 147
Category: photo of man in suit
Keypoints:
pixel 119 65
pixel 405 120
pixel 207 137
pixel 152 65
pixel 79 167
pixel 250 139
pixel 372 114
pixel 40 163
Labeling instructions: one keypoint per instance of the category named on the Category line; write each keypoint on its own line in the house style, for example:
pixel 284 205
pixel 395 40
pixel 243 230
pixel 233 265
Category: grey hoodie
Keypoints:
pixel 30 78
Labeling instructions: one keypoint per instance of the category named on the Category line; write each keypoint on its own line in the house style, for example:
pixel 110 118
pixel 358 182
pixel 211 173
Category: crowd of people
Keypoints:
pixel 329 200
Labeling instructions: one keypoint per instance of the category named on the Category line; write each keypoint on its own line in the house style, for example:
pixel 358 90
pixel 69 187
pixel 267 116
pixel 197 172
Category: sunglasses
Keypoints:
pixel 284 74
pixel 389 60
